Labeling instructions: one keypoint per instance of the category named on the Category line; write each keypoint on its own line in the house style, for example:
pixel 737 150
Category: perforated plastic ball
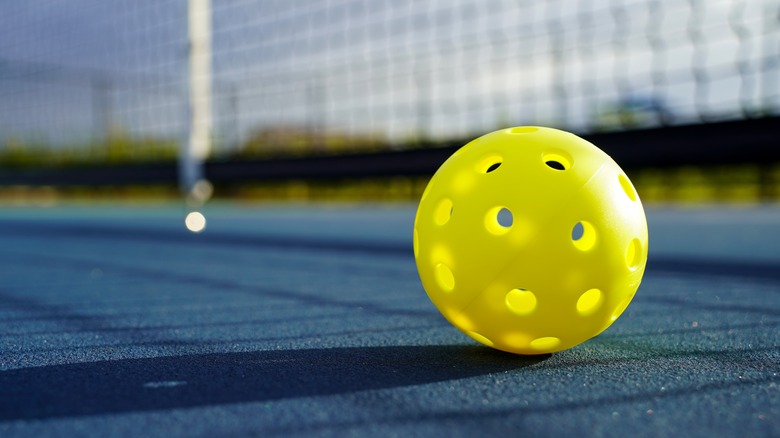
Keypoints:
pixel 530 240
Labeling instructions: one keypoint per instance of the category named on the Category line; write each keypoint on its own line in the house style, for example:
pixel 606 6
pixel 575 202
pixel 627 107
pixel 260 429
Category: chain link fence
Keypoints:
pixel 108 79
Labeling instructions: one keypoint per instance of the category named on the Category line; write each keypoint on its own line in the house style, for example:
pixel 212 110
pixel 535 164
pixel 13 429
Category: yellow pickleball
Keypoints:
pixel 530 240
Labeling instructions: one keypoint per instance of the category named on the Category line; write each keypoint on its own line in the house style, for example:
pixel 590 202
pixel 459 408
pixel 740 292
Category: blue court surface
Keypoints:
pixel 285 320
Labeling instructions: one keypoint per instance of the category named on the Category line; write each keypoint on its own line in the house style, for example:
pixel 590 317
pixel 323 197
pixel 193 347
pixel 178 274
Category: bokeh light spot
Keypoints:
pixel 195 222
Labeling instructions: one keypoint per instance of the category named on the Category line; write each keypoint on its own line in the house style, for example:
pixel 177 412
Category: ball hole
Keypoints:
pixel 583 235
pixel 576 232
pixel 520 301
pixel 443 212
pixel 416 243
pixel 545 344
pixel 523 129
pixel 499 220
pixel 505 218
pixel 628 189
pixel 480 338
pixel 557 160
pixel 557 165
pixel 458 319
pixel 621 308
pixel 589 302
pixel 489 163
pixel 444 277
pixel 634 254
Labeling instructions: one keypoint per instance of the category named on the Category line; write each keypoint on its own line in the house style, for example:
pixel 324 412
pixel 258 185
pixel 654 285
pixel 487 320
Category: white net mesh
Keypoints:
pixel 340 74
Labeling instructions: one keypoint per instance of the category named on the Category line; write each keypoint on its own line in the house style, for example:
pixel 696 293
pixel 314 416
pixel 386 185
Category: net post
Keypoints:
pixel 197 144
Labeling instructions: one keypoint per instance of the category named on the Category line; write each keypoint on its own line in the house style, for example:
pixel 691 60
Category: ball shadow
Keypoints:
pixel 161 383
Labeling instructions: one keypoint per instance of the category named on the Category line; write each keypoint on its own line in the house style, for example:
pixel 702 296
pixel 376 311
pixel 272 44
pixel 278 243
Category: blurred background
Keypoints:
pixel 362 99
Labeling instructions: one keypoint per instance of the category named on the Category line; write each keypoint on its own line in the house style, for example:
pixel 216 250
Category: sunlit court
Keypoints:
pixel 410 218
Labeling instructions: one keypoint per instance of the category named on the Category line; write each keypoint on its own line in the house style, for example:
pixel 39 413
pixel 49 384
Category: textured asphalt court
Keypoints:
pixel 311 321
